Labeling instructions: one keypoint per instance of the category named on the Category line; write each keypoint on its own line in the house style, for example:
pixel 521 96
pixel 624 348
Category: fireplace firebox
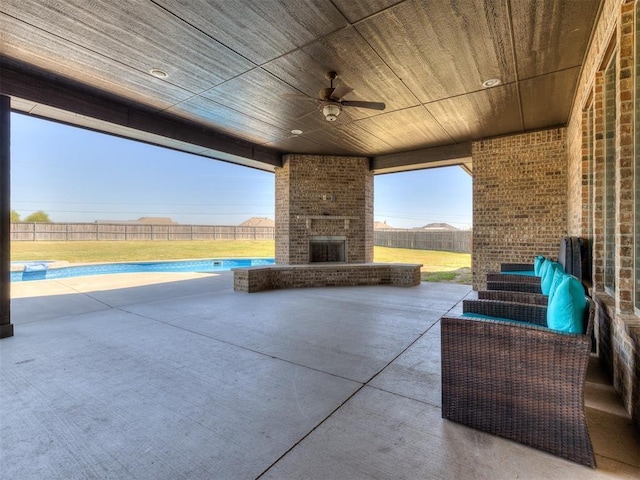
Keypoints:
pixel 328 249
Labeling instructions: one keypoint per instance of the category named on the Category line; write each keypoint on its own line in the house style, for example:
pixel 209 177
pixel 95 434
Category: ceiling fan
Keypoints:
pixel 331 103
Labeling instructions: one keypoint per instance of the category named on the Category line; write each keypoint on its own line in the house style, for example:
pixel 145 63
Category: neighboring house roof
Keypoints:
pixel 258 222
pixel 156 220
pixel 142 221
pixel 381 226
pixel 438 227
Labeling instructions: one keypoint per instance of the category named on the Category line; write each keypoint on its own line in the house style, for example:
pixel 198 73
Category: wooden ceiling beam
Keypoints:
pixel 448 155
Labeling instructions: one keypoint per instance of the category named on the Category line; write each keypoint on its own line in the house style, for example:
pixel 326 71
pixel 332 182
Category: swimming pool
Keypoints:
pixel 40 270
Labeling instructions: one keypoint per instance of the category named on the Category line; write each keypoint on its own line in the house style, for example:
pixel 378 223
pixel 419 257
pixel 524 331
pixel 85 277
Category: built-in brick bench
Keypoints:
pixel 270 277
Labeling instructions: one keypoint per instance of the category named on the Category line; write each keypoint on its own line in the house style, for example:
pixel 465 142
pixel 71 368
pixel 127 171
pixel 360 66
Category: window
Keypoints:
pixel 610 176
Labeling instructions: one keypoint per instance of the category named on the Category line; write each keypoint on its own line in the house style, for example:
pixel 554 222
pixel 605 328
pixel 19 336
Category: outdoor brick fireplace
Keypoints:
pixel 324 229
pixel 324 210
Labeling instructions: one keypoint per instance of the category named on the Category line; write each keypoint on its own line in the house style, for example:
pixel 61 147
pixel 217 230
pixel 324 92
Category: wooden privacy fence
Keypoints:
pixel 458 241
pixel 110 231
pixel 448 241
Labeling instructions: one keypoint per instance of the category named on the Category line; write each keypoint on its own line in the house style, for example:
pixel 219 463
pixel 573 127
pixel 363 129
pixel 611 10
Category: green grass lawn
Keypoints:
pixel 437 266
pixel 130 251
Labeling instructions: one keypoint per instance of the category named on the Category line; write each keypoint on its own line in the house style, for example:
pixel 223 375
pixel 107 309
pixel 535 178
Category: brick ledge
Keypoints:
pixel 270 277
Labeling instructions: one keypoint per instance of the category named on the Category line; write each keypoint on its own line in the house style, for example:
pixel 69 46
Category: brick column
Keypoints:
pixel 6 328
pixel 519 199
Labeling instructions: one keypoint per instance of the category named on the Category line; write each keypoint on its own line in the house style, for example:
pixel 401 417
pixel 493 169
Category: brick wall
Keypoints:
pixel 519 199
pixel 282 199
pixel 322 195
pixel 618 327
pixel 577 173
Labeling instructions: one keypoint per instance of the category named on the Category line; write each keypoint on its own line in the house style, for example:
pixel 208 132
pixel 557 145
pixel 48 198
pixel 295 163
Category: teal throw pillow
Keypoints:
pixel 543 267
pixel 558 277
pixel 547 276
pixel 565 312
pixel 537 264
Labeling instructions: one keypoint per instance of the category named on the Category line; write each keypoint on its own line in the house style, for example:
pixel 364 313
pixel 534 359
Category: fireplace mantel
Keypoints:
pixel 309 219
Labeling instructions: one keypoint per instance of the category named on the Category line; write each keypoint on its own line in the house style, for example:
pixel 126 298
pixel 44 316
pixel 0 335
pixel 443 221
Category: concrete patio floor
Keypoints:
pixel 175 376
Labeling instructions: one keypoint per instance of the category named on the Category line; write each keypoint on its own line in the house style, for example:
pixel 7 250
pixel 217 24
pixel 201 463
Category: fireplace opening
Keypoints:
pixel 327 249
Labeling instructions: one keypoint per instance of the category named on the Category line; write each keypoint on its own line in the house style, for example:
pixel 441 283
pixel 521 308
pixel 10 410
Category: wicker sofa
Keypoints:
pixel 521 381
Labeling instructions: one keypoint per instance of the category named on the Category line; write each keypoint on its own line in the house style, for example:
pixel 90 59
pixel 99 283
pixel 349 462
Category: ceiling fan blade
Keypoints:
pixel 341 90
pixel 326 93
pixel 371 105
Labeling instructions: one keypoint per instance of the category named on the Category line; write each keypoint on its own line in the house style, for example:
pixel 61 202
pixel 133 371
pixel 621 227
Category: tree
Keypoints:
pixel 15 216
pixel 38 217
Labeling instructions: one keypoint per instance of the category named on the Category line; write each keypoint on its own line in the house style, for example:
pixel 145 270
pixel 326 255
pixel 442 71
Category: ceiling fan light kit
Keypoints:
pixel 331 111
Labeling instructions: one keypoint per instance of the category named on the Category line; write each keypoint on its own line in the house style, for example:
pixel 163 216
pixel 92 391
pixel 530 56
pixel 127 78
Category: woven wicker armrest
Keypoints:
pixel 518 381
pixel 510 296
pixel 521 312
pixel 516 267
pixel 506 277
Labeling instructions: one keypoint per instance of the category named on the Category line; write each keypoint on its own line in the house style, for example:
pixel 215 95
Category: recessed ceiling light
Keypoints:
pixel 295 131
pixel 156 72
pixel 492 82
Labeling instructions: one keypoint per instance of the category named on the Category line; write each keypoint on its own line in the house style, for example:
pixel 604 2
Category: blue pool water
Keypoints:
pixel 40 270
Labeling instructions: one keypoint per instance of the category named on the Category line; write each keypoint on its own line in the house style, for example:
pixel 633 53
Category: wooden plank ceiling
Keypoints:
pixel 238 71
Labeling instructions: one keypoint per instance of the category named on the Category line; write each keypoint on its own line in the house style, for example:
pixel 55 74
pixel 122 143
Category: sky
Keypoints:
pixel 76 175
